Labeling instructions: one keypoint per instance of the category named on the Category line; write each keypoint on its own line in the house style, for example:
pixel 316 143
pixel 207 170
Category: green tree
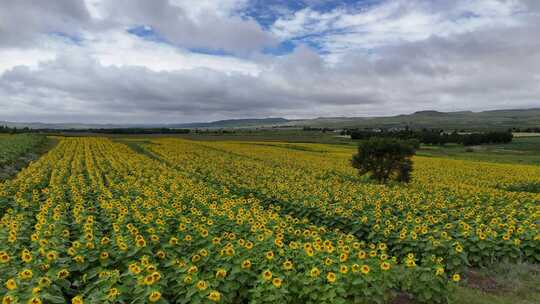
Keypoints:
pixel 385 158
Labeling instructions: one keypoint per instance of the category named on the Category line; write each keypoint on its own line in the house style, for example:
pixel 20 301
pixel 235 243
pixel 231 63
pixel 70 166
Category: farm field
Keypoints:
pixel 13 146
pixel 16 150
pixel 522 150
pixel 170 220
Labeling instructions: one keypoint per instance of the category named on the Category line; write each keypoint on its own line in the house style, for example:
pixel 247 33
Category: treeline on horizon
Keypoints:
pixel 427 136
pixel 5 129
pixel 436 136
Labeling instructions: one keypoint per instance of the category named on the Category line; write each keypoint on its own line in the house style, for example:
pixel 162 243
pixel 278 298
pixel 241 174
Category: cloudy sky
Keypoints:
pixel 124 61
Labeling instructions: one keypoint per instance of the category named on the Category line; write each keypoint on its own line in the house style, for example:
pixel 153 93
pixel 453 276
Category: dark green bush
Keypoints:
pixel 385 158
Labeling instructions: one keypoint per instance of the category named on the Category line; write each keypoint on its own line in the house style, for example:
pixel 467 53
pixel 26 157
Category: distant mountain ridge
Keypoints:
pixel 236 123
pixel 494 119
pixel 521 118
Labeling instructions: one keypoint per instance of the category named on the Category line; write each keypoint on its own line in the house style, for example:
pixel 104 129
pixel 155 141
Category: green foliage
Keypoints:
pixel 533 187
pixel 436 136
pixel 515 283
pixel 522 150
pixel 385 158
pixel 14 146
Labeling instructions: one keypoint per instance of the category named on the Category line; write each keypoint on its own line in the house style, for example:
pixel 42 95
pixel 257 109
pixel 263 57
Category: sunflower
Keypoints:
pixel 364 269
pixel 71 251
pixel 287 265
pixel 26 274
pixel 331 277
pixel 267 275
pixel 4 257
pixel 34 300
pixel 63 273
pixel 154 296
pixel 8 300
pixel 361 254
pixel 385 266
pixel 188 279
pixel 156 275
pixel 315 272
pixel 214 296
pixel 277 282
pixel 202 285
pixel 79 259
pixel 193 269
pixel 140 243
pixel 52 255
pixel 11 284
pixel 105 240
pixel 113 293
pixel 44 281
pixel 229 251
pixel 77 300
pixel 221 273
pixel 195 258
pixel 134 268
pixel 149 280
pixel 26 256
pixel 246 264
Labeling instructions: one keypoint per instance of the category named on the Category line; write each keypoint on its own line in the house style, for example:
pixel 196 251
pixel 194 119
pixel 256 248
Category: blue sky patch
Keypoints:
pixel 206 51
pixel 283 48
pixel 74 39
pixel 146 32
pixel 266 12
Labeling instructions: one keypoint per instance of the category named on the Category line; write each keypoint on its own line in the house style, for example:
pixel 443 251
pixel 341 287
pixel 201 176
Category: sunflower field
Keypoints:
pixel 178 221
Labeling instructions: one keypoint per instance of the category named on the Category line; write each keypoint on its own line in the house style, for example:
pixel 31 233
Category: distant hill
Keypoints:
pixel 497 119
pixel 64 126
pixel 235 123
pixel 230 123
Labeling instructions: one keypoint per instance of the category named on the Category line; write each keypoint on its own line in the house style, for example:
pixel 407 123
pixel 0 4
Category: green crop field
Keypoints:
pixel 13 147
pixel 522 150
